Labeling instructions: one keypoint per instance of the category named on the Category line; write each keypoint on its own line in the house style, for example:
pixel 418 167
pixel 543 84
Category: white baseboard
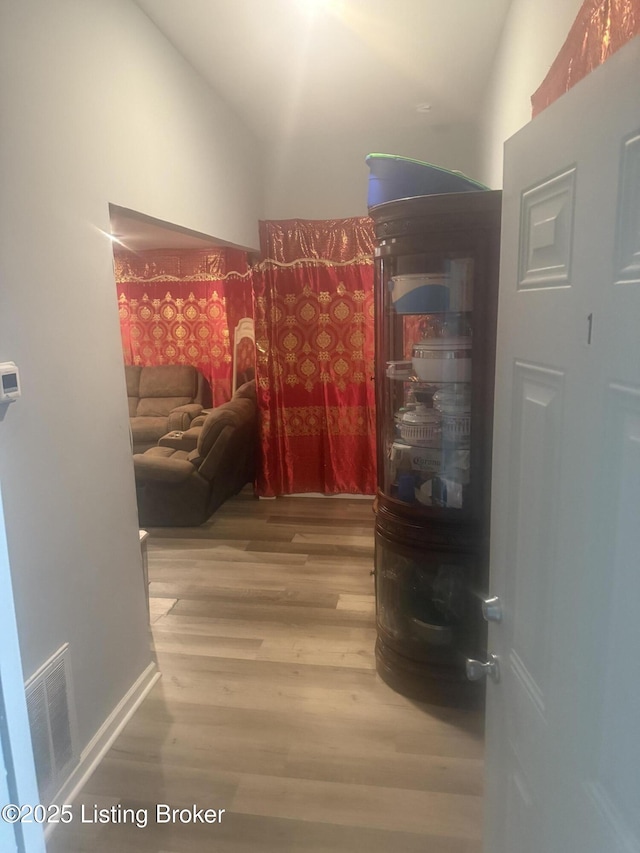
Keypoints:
pixel 331 497
pixel 103 739
pixel 319 495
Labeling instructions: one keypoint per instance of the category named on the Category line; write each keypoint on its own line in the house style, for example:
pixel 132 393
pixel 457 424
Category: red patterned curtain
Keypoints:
pixel 313 298
pixel 601 28
pixel 176 307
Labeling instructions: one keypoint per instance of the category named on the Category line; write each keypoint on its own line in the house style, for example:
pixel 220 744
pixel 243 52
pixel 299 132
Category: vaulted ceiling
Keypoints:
pixel 289 68
pixel 293 66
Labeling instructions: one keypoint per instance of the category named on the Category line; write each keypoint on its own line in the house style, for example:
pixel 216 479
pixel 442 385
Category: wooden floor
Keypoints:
pixel 269 705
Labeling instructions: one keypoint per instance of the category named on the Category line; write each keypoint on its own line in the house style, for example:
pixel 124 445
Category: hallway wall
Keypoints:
pixel 96 106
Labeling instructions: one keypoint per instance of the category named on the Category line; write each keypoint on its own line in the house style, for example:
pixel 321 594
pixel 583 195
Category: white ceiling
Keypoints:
pixel 295 67
pixel 290 67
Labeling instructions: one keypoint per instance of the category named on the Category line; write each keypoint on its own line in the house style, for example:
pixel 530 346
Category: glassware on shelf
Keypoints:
pixel 456 429
pixel 454 404
pixel 453 399
pixel 442 325
pixel 456 325
pixel 421 426
pixel 431 325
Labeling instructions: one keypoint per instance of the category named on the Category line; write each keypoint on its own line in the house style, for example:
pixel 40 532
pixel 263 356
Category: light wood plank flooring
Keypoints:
pixel 269 705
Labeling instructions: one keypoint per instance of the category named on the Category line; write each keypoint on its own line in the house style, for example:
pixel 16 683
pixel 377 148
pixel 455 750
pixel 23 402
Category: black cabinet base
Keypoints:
pixel 436 685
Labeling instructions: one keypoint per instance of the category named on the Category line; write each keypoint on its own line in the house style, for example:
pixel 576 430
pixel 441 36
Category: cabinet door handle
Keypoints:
pixel 477 669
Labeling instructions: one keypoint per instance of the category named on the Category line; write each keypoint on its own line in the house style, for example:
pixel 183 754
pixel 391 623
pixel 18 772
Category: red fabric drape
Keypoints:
pixel 176 307
pixel 600 29
pixel 313 297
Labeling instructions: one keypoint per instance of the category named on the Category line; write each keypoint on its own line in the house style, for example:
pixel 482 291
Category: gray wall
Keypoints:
pixel 531 39
pixel 325 177
pixel 95 107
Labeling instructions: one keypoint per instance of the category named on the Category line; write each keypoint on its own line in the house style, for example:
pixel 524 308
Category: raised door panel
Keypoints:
pixel 610 778
pixel 546 223
pixel 536 426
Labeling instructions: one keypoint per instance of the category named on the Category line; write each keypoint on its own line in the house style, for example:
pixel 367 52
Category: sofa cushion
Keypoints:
pixel 132 376
pixel 166 453
pixel 133 406
pixel 169 380
pixel 148 429
pixel 160 468
pixel 235 413
pixel 155 407
pixel 160 452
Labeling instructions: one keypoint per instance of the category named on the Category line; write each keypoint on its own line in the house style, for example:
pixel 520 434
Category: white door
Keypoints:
pixel 17 774
pixel 563 723
pixel 8 839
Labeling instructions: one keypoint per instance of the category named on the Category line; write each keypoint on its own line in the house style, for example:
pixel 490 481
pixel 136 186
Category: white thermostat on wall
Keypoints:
pixel 9 382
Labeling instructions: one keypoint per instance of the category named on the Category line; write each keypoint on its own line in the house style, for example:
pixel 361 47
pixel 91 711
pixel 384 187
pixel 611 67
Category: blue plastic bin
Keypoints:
pixel 392 177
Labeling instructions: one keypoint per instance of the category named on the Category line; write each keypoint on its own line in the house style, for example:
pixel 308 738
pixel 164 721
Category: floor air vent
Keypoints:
pixel 52 723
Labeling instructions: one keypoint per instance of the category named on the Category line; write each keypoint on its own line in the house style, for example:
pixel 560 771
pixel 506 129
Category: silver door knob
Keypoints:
pixel 492 609
pixel 477 669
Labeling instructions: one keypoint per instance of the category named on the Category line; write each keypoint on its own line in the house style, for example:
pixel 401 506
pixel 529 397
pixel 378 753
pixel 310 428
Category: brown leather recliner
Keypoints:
pixel 161 399
pixel 177 488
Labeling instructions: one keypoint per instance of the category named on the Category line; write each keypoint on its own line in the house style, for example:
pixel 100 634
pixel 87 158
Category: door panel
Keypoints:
pixel 611 772
pixel 546 222
pixel 562 746
pixel 538 396
pixel 628 225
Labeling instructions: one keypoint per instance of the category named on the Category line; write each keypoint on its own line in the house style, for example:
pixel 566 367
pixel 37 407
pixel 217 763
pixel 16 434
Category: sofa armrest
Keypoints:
pixel 181 439
pixel 181 416
pixel 161 469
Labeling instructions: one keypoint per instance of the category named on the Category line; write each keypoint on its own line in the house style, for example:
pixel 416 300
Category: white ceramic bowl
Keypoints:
pixel 442 360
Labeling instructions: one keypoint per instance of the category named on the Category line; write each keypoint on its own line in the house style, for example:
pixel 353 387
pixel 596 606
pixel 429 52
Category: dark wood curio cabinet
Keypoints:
pixel 437 261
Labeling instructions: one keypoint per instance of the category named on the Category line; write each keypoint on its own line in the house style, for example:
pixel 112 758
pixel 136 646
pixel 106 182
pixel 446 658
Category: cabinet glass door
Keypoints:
pixel 427 418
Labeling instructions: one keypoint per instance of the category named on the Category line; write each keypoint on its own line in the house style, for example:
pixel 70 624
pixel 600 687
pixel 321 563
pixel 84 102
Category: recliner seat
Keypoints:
pixel 161 399
pixel 176 488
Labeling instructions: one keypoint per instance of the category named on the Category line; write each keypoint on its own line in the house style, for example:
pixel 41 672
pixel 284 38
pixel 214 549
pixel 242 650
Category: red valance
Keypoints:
pixel 601 28
pixel 327 241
